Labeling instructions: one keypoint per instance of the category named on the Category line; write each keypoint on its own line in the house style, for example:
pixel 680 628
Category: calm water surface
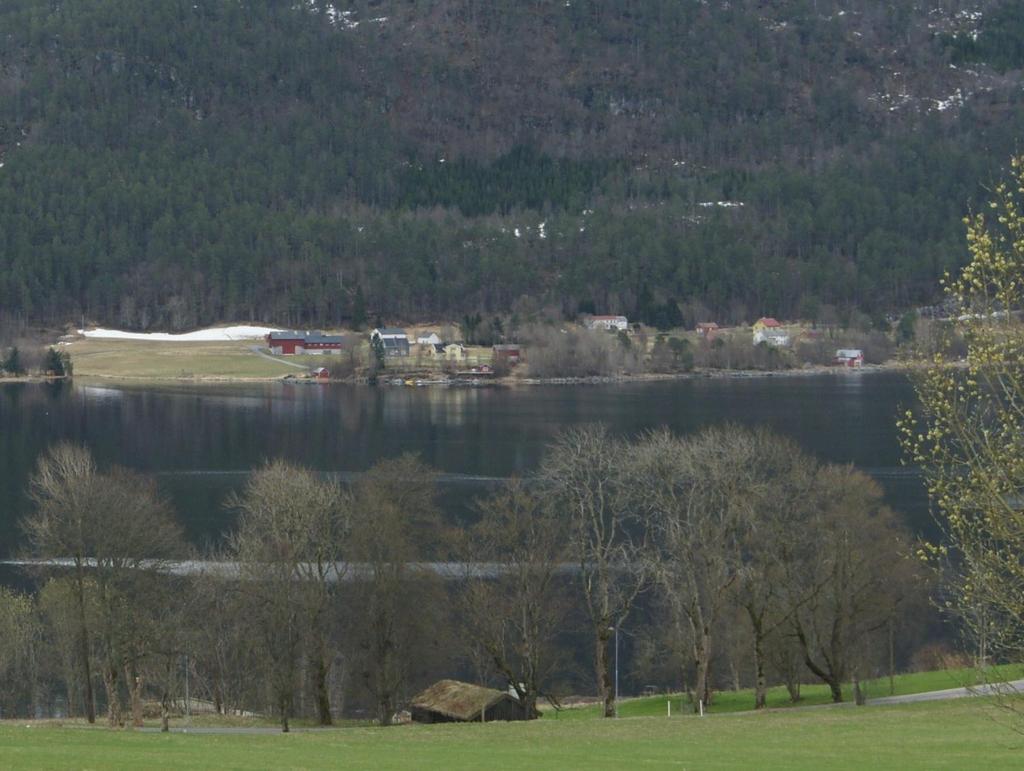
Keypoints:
pixel 200 440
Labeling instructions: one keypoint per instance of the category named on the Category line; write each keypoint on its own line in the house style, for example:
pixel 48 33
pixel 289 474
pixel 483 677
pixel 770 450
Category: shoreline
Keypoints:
pixel 508 382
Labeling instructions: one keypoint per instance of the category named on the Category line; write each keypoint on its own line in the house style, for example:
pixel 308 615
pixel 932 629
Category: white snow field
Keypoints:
pixel 212 334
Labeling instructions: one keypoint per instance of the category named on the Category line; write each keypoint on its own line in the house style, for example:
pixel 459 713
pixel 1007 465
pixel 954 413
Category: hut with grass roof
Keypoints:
pixel 452 701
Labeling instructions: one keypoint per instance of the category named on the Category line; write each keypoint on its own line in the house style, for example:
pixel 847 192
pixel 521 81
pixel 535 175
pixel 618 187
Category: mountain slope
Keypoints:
pixel 177 163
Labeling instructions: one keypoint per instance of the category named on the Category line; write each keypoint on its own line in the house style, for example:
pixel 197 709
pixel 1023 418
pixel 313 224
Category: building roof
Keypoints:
pixel 458 700
pixel 768 321
pixel 286 334
pixel 390 332
pixel 849 353
pixel 309 337
pixel 320 337
pixel 608 318
pixel 506 347
pixel 707 325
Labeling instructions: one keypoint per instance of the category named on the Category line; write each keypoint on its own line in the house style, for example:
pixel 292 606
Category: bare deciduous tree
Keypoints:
pixel 63 489
pixel 856 573
pixel 395 525
pixel 514 616
pixel 782 501
pixel 288 545
pixel 699 495
pixel 117 531
pixel 584 473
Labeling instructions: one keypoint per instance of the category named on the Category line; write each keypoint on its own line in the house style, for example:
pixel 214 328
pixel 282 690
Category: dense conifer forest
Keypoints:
pixel 181 162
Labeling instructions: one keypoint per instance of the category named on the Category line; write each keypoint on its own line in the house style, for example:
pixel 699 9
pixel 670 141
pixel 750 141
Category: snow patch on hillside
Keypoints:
pixel 213 334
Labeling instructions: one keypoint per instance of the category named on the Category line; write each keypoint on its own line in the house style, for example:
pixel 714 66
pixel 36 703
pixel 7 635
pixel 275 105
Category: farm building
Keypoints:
pixel 850 357
pixel 395 341
pixel 509 353
pixel 707 330
pixel 431 339
pixel 609 323
pixel 289 342
pixel 451 701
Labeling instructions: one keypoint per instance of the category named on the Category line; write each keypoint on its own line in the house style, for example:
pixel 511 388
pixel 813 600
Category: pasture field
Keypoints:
pixel 811 695
pixel 227 360
pixel 173 360
pixel 964 733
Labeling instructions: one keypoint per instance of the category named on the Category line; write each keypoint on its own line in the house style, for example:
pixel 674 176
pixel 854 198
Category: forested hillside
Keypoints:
pixel 179 162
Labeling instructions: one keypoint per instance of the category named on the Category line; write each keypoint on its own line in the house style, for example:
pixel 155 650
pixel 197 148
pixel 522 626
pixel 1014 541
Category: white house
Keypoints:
pixel 776 338
pixel 394 341
pixel 431 339
pixel 608 323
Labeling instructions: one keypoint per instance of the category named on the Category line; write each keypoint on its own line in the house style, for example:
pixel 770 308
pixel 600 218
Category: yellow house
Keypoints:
pixel 455 352
pixel 766 322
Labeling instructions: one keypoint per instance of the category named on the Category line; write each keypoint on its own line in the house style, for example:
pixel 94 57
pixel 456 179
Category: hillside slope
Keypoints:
pixel 176 163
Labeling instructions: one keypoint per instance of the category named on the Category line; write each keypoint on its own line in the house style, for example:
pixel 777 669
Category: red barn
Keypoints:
pixel 288 342
pixel 507 352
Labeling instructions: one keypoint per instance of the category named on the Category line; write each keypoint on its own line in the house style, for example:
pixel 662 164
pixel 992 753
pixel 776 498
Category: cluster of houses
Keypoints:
pixel 770 331
pixel 396 343
pixel 393 341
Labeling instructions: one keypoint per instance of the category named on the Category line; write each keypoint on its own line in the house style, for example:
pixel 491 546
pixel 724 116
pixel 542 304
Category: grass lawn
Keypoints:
pixel 778 697
pixel 167 360
pixel 956 734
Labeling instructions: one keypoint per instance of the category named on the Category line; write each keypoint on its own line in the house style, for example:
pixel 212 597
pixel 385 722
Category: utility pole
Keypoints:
pixel 188 703
pixel 615 629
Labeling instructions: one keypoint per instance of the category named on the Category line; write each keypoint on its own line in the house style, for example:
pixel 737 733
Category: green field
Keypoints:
pixel 955 734
pixel 169 361
pixel 742 700
pixel 222 360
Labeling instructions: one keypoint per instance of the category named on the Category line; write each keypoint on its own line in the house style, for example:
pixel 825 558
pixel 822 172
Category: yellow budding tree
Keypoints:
pixel 968 435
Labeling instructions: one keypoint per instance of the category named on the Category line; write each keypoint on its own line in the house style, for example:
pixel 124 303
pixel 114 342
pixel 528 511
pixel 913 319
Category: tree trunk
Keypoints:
pixel 604 681
pixel 134 694
pixel 793 688
pixel 858 693
pixel 703 691
pixel 113 696
pixel 760 679
pixel 385 709
pixel 83 651
pixel 323 700
pixel 836 688
pixel 283 708
pixel 530 705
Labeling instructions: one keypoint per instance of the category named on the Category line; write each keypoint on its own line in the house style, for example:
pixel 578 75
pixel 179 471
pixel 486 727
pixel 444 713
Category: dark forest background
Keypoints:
pixel 181 162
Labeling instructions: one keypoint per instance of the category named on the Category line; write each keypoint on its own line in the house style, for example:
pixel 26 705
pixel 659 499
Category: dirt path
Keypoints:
pixel 259 352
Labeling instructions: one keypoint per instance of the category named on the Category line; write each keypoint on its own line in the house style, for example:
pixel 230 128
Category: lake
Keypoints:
pixel 200 440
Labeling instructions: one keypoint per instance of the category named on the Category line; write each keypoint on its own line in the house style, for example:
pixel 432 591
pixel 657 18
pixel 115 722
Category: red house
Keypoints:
pixel 507 352
pixel 707 330
pixel 850 357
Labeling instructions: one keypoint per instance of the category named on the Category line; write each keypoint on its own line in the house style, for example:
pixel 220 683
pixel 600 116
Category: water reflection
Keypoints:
pixel 202 439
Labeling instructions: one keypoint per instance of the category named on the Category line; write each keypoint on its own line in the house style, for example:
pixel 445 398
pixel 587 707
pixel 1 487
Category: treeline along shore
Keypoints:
pixel 723 559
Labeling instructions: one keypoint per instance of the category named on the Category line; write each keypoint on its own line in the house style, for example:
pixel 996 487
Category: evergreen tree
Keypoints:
pixel 57 363
pixel 359 309
pixel 12 363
